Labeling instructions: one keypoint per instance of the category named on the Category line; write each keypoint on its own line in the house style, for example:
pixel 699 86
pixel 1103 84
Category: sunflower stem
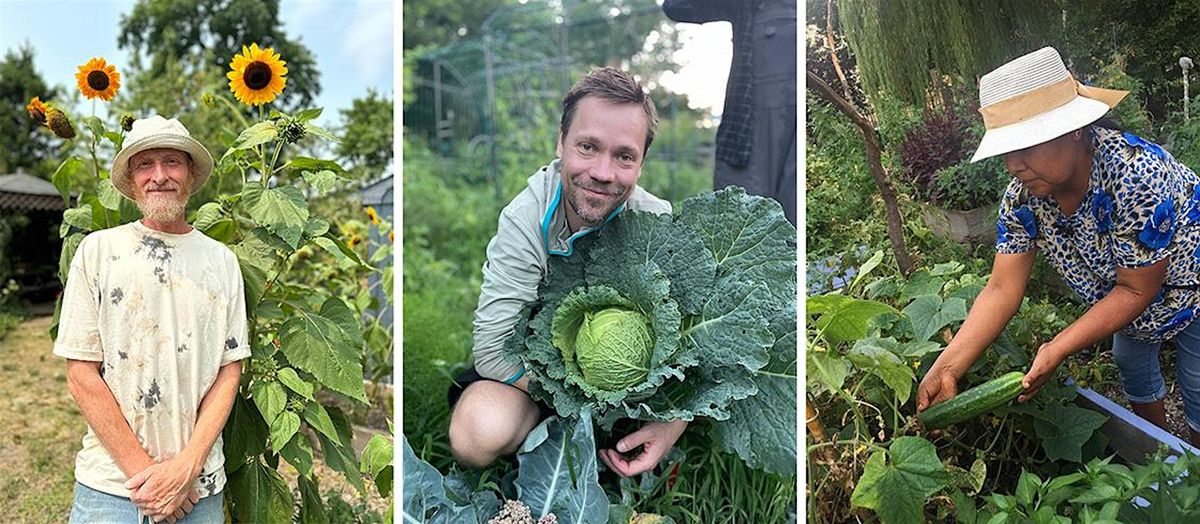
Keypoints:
pixel 96 165
pixel 234 109
pixel 274 158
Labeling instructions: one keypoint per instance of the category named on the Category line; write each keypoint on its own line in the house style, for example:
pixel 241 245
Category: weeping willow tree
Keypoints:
pixel 908 48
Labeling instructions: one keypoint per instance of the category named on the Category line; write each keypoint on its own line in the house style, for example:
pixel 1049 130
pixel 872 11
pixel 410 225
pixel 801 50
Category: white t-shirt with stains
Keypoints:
pixel 162 312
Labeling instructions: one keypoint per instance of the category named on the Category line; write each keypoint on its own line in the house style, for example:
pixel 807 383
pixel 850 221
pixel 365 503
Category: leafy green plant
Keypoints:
pixel 967 185
pixel 714 287
pixel 304 339
pixel 866 349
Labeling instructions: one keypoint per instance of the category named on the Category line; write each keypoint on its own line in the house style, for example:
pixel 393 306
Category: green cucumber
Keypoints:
pixel 973 402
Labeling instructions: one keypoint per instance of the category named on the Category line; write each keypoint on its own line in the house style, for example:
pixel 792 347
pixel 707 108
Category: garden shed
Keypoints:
pixel 378 195
pixel 30 213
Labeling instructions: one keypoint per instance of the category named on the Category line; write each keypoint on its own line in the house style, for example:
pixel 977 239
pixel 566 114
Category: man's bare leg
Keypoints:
pixel 490 419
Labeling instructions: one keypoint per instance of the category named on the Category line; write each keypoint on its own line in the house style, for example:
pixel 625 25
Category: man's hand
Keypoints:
pixel 1047 360
pixel 164 491
pixel 656 439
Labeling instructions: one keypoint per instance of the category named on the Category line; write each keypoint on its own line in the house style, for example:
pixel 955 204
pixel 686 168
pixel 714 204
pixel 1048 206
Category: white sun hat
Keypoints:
pixel 1034 99
pixel 158 132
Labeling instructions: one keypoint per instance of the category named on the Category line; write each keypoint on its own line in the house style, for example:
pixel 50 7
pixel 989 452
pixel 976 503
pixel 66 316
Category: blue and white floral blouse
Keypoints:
pixel 1141 206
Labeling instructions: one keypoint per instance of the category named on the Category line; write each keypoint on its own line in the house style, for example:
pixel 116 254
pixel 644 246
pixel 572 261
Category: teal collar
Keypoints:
pixel 549 216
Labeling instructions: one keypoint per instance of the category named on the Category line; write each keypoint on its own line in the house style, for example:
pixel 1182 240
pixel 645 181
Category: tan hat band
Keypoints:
pixel 1044 99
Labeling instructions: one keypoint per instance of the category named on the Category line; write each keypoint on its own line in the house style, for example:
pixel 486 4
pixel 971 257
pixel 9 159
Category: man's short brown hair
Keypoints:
pixel 612 85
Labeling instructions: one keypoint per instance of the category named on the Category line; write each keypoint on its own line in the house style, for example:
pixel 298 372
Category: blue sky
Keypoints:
pixel 351 39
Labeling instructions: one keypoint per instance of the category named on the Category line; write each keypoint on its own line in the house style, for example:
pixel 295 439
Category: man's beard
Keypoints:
pixel 578 199
pixel 163 207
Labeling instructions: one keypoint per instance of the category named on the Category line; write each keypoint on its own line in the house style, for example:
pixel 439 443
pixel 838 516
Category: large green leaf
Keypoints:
pixel 424 495
pixel 929 314
pixel 339 454
pixel 245 435
pixel 289 378
pixel 826 371
pixel 283 428
pixel 303 163
pixel 877 356
pixel 323 181
pixel 732 326
pixel 558 472
pixel 896 484
pixel 317 417
pixel 748 236
pixel 258 494
pixel 69 245
pixel 843 319
pixel 377 463
pixel 62 177
pixel 78 217
pixel 253 136
pixel 762 428
pixel 646 237
pixel 322 346
pixel 108 195
pixel 207 216
pixel 1064 429
pixel 270 398
pixel 297 451
pixel 312 509
pixel 282 210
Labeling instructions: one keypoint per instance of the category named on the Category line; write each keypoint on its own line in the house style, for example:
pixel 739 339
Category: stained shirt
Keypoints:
pixel 1141 206
pixel 162 313
pixel 532 228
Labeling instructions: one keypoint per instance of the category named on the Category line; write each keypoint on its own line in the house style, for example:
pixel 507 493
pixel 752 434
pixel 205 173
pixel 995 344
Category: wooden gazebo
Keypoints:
pixel 22 192
pixel 29 251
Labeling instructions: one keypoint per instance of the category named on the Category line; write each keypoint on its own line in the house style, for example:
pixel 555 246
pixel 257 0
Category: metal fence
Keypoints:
pixel 488 107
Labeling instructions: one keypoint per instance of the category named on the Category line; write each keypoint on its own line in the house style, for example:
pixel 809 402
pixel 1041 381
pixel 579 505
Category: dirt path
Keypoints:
pixel 41 429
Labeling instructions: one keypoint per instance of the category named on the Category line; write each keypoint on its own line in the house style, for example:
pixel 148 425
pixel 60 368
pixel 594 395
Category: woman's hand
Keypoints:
pixel 939 385
pixel 1049 356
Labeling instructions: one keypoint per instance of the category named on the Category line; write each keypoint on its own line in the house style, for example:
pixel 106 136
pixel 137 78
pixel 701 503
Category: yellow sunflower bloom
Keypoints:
pixel 371 214
pixel 98 79
pixel 354 241
pixel 257 75
pixel 37 110
pixel 392 237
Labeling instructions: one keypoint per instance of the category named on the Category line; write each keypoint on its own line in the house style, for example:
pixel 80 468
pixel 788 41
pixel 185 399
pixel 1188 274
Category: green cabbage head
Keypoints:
pixel 613 348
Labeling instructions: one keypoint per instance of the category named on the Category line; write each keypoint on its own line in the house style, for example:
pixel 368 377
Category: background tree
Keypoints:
pixel 22 144
pixel 905 47
pixel 165 31
pixel 442 22
pixel 1151 36
pixel 367 136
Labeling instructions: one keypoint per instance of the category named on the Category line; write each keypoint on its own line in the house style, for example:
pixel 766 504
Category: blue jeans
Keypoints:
pixel 1142 378
pixel 97 507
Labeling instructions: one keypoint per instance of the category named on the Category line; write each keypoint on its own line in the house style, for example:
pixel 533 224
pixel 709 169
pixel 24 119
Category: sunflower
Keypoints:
pixel 37 110
pixel 257 75
pixel 98 79
pixel 58 122
pixel 371 214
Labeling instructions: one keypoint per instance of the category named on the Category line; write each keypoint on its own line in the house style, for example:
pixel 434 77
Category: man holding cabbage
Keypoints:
pixel 607 125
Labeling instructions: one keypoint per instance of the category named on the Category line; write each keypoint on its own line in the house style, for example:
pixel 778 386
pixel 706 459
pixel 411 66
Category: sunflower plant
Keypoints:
pixel 308 341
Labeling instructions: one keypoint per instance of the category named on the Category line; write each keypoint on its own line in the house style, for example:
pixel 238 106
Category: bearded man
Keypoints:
pixel 608 122
pixel 153 327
